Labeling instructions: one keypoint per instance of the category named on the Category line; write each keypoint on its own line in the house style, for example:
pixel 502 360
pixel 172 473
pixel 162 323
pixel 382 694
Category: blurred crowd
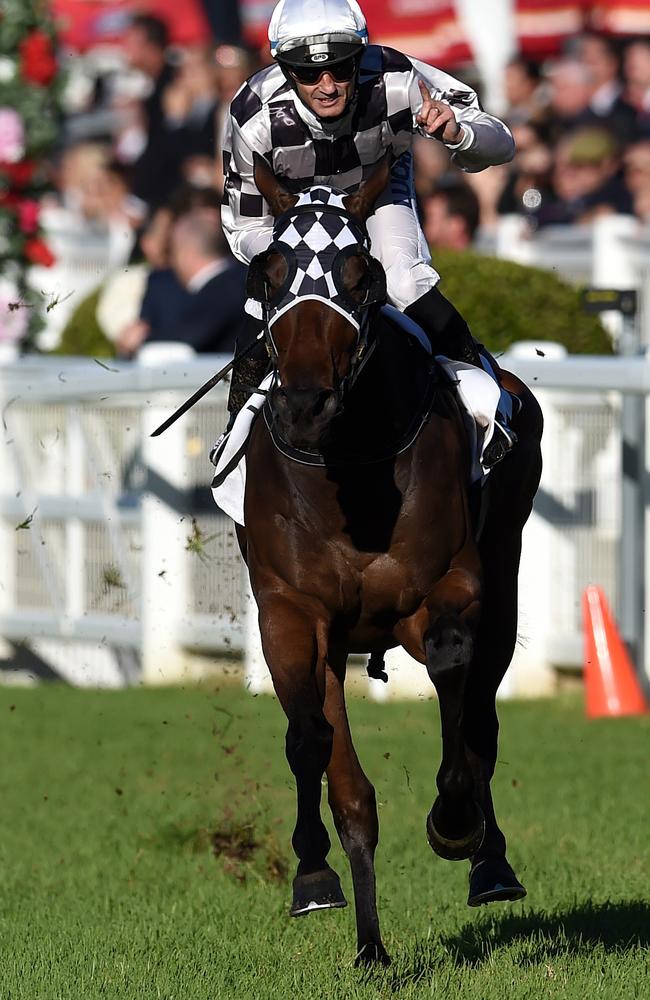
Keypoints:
pixel 141 153
pixel 141 156
pixel 582 130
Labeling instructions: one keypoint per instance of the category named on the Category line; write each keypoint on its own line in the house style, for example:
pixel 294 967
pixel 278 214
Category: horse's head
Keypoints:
pixel 316 283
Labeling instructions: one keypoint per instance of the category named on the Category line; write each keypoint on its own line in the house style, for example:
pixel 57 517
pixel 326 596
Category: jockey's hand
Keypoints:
pixel 437 118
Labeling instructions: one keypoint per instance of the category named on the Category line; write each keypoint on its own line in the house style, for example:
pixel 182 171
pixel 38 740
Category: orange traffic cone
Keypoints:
pixel 611 684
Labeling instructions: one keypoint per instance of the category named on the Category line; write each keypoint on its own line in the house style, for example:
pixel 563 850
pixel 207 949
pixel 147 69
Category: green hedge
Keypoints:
pixel 505 302
pixel 82 334
pixel 502 302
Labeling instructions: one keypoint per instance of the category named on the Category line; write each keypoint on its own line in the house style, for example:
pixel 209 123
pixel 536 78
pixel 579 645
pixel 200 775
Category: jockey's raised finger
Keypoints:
pixel 424 90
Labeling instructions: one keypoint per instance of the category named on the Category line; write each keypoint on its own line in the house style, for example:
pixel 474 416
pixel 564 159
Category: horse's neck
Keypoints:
pixel 385 398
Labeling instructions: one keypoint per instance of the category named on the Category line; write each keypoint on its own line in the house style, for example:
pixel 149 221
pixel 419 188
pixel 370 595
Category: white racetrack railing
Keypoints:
pixel 86 582
pixel 109 580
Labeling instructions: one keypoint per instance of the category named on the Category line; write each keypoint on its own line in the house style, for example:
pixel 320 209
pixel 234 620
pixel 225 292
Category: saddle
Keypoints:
pixel 402 360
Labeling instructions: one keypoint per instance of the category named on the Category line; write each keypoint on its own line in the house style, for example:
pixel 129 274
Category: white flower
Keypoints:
pixel 12 136
pixel 7 69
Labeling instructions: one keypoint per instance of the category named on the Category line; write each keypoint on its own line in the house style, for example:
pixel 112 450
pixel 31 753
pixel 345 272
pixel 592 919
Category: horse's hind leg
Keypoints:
pixel 294 649
pixel 513 487
pixel 352 800
pixel 491 877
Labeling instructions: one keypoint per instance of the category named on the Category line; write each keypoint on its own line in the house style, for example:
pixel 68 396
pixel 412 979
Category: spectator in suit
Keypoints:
pixel 570 85
pixel 160 298
pixel 190 105
pixel 156 171
pixel 637 178
pixel 215 280
pixel 583 97
pixel 451 216
pixel 587 180
pixel 637 82
pixel 607 107
pixel 523 92
pixel 164 298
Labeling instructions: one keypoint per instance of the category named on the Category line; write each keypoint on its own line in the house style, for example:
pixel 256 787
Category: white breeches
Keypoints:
pixel 398 241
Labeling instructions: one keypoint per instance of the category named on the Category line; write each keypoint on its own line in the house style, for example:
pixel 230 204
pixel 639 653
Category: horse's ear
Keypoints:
pixel 361 203
pixel 277 196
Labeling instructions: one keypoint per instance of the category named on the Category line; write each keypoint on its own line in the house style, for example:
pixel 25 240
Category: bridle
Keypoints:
pixel 322 280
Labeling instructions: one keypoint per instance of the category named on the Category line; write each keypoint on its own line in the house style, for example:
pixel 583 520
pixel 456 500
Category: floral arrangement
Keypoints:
pixel 30 87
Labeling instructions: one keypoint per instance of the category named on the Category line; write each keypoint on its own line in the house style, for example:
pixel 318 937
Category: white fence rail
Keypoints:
pixel 115 564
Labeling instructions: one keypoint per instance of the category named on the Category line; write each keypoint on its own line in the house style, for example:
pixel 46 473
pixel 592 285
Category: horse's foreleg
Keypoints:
pixel 455 824
pixel 354 808
pixel 294 647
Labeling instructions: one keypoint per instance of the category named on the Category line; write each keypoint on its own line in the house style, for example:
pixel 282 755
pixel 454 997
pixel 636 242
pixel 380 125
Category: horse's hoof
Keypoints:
pixel 493 881
pixel 318 891
pixel 371 954
pixel 456 849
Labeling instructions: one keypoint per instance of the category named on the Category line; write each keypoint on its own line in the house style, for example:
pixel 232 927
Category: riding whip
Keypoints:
pixel 205 388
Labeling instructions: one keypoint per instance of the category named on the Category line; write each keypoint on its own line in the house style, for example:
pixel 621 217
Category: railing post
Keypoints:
pixel 531 671
pixel 632 591
pixel 165 530
pixel 8 536
pixel 612 262
pixel 75 532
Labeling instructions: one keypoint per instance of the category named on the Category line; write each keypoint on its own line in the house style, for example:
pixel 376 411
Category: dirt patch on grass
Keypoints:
pixel 239 845
pixel 245 848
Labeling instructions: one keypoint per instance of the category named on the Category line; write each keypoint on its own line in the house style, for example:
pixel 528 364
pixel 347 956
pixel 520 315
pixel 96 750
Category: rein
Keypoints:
pixel 362 353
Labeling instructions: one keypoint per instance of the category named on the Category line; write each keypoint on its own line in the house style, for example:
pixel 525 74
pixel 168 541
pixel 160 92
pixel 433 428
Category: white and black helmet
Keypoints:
pixel 309 34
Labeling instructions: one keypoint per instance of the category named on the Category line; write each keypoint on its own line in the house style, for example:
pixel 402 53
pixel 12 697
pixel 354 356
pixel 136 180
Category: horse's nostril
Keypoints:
pixel 325 403
pixel 304 406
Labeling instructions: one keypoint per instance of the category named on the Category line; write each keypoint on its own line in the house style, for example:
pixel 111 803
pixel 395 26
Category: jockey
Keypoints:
pixel 325 113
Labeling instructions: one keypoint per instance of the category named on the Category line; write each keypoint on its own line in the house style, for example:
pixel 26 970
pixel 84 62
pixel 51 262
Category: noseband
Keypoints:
pixel 316 238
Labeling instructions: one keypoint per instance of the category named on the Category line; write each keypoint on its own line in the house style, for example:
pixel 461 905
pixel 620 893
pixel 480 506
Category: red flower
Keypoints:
pixel 28 212
pixel 38 252
pixel 8 199
pixel 37 61
pixel 19 174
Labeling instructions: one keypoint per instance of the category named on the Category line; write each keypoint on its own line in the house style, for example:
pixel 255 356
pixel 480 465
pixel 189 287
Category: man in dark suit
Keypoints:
pixel 607 108
pixel 214 312
pixel 156 172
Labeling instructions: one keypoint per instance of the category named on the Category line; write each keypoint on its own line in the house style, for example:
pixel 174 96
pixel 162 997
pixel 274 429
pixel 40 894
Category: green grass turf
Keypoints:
pixel 110 886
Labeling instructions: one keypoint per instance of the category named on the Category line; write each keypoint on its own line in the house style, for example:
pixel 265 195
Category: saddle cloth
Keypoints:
pixel 477 392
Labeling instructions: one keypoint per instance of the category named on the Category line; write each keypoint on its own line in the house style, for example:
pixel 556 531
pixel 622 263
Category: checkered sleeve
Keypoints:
pixel 245 216
pixel 486 140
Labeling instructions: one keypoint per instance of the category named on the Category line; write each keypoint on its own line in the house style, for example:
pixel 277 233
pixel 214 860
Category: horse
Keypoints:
pixel 361 534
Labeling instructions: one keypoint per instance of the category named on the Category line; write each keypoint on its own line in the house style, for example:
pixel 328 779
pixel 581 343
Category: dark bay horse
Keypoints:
pixel 360 536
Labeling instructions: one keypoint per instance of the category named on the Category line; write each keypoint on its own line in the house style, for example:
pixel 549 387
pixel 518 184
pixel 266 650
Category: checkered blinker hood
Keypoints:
pixel 316 237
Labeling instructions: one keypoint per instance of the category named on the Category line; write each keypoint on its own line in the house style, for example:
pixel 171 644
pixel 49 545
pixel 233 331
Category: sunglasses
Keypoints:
pixel 342 71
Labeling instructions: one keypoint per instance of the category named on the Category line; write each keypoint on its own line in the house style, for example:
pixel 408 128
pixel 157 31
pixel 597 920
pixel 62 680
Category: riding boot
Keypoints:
pixel 446 329
pixel 248 372
pixel 450 335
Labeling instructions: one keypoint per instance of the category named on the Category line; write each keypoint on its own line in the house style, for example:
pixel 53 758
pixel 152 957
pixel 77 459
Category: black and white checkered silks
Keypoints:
pixel 267 117
pixel 312 235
